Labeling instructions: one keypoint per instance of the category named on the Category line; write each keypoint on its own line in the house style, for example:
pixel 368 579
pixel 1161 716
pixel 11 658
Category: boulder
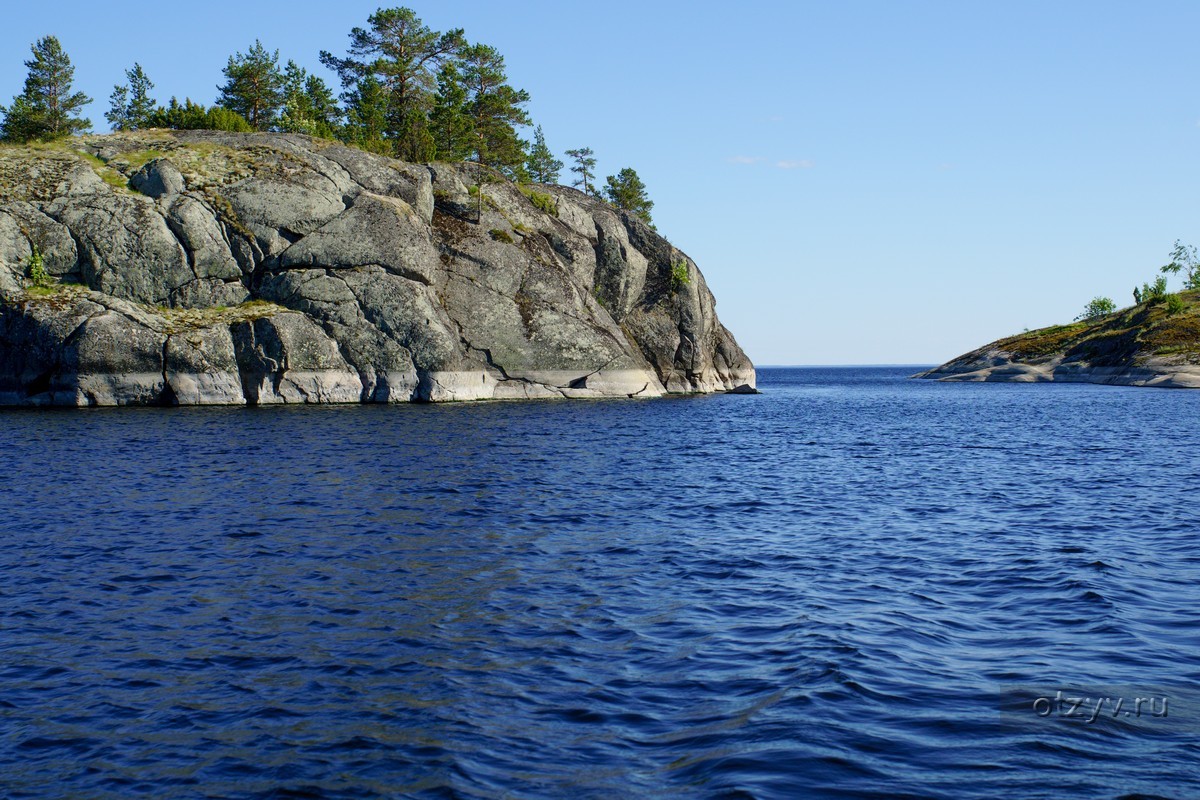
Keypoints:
pixel 159 178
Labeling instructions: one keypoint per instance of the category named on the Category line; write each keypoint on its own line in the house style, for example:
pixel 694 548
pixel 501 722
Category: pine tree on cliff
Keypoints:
pixel 626 191
pixel 450 125
pixel 308 104
pixel 47 108
pixel 584 167
pixel 495 109
pixel 367 116
pixel 404 57
pixel 543 167
pixel 131 106
pixel 253 86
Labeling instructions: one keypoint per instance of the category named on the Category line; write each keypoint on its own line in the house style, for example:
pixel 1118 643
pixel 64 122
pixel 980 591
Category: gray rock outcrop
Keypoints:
pixel 1149 344
pixel 213 268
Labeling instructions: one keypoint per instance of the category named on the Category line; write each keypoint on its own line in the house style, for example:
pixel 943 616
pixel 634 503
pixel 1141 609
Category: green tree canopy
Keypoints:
pixel 131 106
pixel 1097 307
pixel 253 86
pixel 584 167
pixel 308 104
pixel 495 109
pixel 47 108
pixel 367 116
pixel 541 164
pixel 1184 259
pixel 626 191
pixel 450 123
pixel 405 57
pixel 194 116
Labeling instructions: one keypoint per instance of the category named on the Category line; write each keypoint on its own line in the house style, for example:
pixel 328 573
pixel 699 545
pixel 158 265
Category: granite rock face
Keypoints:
pixel 213 268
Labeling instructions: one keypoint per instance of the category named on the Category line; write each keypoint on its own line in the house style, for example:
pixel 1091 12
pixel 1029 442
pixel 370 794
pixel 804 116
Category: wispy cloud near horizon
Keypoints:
pixel 803 164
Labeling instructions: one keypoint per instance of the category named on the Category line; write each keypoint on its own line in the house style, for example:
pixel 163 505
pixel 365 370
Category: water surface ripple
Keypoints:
pixel 852 585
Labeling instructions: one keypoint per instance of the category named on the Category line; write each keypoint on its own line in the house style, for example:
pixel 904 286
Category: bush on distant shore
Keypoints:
pixel 1098 307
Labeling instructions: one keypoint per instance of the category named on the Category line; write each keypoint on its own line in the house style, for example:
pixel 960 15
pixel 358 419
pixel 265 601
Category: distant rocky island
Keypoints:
pixel 1154 343
pixel 202 267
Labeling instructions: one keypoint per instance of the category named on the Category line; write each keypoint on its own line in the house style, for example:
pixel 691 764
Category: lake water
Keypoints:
pixel 852 585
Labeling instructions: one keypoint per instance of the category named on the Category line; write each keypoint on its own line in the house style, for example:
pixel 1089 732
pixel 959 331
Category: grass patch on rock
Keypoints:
pixel 1134 333
pixel 541 201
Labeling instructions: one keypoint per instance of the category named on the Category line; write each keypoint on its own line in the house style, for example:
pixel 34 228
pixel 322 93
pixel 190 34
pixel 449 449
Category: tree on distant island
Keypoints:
pixel 1151 292
pixel 1098 307
pixel 541 165
pixel 131 106
pixel 403 56
pixel 1184 259
pixel 584 167
pixel 626 191
pixel 253 86
pixel 47 109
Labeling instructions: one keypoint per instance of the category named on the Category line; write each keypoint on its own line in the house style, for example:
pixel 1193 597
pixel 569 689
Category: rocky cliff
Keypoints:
pixel 1149 344
pixel 214 268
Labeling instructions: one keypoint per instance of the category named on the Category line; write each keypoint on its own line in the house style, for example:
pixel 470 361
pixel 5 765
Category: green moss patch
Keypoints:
pixel 184 318
pixel 541 201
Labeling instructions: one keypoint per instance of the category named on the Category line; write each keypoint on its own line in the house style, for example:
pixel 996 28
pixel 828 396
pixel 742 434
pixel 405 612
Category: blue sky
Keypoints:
pixel 861 182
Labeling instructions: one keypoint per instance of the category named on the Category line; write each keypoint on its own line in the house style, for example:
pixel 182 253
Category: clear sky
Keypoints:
pixel 861 182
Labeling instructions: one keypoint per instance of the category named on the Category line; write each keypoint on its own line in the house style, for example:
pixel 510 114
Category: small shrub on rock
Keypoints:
pixel 36 272
pixel 680 275
pixel 541 201
pixel 1098 307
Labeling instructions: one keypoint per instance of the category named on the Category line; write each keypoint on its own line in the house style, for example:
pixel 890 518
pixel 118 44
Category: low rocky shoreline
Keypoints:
pixel 1144 345
pixel 1002 370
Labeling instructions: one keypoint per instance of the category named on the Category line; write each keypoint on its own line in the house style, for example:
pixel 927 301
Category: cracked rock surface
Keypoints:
pixel 207 268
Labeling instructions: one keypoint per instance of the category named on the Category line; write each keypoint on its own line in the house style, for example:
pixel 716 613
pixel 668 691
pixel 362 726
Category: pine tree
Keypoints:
pixel 449 123
pixel 626 191
pixel 253 86
pixel 47 108
pixel 118 108
pixel 584 164
pixel 366 119
pixel 404 57
pixel 495 108
pixel 131 105
pixel 308 104
pixel 543 167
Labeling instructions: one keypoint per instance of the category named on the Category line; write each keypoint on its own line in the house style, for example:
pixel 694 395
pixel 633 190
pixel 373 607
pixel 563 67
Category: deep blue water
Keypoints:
pixel 852 585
